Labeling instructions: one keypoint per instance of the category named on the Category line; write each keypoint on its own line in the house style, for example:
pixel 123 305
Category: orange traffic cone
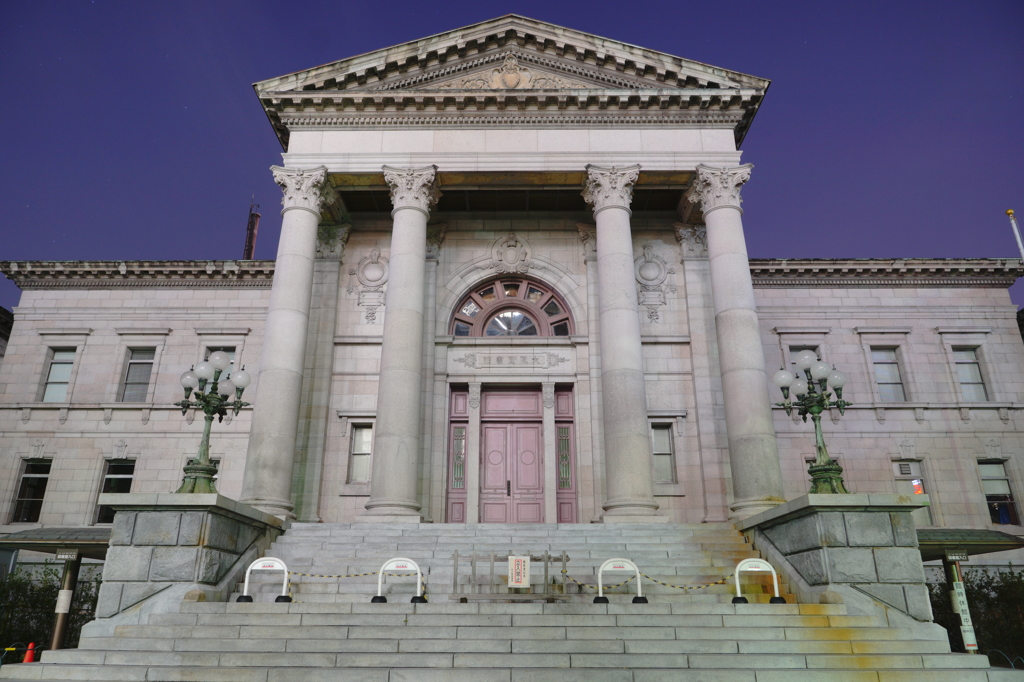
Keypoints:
pixel 30 653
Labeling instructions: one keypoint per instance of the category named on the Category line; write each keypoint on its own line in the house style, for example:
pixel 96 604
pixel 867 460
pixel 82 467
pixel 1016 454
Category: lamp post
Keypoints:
pixel 826 474
pixel 199 472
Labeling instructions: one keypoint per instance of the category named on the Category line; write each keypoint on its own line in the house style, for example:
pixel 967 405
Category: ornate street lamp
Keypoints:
pixel 199 472
pixel 826 474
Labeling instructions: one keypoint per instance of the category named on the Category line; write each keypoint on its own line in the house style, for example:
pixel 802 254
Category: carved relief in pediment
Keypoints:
pixel 511 75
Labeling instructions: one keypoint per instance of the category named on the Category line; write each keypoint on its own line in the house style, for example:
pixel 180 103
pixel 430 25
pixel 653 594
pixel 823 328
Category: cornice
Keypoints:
pixel 27 275
pixel 908 272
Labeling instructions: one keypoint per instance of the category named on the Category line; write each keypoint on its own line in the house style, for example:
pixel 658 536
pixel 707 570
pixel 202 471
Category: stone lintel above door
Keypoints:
pixel 512 360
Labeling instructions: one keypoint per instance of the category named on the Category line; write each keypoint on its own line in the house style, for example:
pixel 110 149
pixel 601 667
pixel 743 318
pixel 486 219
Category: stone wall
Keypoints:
pixel 164 546
pixel 829 545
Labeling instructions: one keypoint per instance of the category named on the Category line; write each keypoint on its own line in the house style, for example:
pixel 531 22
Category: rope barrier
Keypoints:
pixel 723 581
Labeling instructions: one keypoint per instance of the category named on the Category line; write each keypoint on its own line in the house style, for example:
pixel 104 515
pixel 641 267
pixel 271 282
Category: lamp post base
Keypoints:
pixel 827 479
pixel 198 478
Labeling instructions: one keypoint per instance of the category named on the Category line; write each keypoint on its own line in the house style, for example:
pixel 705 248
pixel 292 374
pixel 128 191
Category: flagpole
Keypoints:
pixel 1016 231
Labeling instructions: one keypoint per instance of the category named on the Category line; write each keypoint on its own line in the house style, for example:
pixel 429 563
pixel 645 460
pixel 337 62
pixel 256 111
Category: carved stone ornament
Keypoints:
pixel 609 186
pixel 588 235
pixel 693 240
pixel 331 240
pixel 511 75
pixel 372 273
pixel 304 187
pixel 548 395
pixel 120 448
pixel 511 254
pixel 413 187
pixel 652 275
pixel 717 187
pixel 474 396
pixel 435 238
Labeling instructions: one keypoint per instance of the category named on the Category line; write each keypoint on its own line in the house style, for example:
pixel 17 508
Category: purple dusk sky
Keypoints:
pixel 131 131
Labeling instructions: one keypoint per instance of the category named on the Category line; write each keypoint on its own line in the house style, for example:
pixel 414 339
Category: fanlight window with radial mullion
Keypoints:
pixel 512 307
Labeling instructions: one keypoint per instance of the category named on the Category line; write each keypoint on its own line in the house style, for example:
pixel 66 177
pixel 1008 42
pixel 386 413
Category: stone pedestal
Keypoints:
pixel 165 545
pixel 627 441
pixel 849 548
pixel 267 481
pixel 753 454
pixel 396 450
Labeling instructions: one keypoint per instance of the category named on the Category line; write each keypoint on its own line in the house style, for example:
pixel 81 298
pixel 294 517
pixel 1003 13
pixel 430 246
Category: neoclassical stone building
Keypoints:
pixel 512 286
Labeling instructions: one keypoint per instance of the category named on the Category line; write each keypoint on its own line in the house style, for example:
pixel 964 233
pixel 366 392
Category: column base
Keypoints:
pixel 390 518
pixel 282 509
pixel 747 508
pixel 634 518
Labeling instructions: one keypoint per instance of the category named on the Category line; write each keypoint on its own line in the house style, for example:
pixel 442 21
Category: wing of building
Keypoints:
pixel 512 287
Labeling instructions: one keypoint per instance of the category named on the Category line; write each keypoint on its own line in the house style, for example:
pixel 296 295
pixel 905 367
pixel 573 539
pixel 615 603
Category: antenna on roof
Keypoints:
pixel 250 229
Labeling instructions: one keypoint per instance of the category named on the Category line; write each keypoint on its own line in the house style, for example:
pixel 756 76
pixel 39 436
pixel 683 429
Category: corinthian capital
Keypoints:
pixel 304 188
pixel 717 187
pixel 608 186
pixel 413 187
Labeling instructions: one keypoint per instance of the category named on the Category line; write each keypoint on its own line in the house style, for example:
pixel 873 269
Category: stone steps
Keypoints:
pixel 333 634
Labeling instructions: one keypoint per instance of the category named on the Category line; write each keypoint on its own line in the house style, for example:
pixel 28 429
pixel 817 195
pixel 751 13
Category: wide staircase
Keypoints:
pixel 332 633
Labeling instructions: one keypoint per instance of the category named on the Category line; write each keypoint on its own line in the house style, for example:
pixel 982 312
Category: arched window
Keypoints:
pixel 512 307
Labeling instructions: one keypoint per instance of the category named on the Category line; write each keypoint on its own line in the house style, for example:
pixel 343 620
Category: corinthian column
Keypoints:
pixel 627 444
pixel 266 483
pixel 753 455
pixel 396 444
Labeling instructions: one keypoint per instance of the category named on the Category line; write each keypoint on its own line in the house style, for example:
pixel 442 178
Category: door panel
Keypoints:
pixel 512 474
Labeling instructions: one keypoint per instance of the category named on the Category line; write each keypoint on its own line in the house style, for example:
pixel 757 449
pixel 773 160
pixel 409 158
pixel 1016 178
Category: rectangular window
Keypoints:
pixel 968 371
pixel 909 481
pixel 458 457
pixel 135 383
pixel 664 466
pixel 994 481
pixel 359 456
pixel 29 501
pixel 58 374
pixel 887 375
pixel 118 479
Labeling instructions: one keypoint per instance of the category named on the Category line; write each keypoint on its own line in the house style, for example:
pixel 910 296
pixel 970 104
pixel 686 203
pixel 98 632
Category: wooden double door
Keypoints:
pixel 511 473
pixel 511 469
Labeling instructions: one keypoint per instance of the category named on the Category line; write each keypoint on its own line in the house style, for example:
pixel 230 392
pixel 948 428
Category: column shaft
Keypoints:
pixel 393 482
pixel 550 455
pixel 753 453
pixel 473 455
pixel 627 445
pixel 267 480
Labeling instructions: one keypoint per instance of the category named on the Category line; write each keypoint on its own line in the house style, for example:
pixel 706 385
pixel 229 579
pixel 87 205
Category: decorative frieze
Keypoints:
pixel 716 187
pixel 29 275
pixel 413 187
pixel 608 186
pixel 898 272
pixel 304 188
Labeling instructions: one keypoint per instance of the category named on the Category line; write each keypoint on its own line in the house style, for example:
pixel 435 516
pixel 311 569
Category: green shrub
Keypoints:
pixel 996 600
pixel 27 600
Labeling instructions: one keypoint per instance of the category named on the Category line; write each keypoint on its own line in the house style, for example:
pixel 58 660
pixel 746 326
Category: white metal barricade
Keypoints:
pixel 399 564
pixel 618 566
pixel 266 564
pixel 757 565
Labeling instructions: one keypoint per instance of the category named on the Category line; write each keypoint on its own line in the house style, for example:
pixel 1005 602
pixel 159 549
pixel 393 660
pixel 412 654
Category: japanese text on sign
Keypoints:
pixel 519 571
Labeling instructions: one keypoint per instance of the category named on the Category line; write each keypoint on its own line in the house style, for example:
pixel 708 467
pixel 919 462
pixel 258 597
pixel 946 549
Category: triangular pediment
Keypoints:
pixel 511 53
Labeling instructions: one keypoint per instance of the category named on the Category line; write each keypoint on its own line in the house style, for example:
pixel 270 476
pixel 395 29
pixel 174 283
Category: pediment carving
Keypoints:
pixel 510 75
